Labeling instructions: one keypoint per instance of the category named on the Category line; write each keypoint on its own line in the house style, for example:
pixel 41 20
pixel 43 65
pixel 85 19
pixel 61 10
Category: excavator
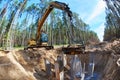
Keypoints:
pixel 54 4
pixel 38 43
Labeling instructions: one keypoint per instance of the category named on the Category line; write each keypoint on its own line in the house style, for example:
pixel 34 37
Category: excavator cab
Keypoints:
pixel 44 38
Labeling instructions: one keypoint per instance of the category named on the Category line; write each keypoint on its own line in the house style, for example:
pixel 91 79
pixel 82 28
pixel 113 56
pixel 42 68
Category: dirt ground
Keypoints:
pixel 30 64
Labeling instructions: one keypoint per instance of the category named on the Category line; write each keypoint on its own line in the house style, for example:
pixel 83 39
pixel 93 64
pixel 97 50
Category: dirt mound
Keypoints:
pixel 10 69
pixel 24 64
pixel 104 47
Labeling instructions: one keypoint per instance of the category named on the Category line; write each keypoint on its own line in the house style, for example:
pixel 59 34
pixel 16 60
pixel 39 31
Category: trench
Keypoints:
pixel 94 66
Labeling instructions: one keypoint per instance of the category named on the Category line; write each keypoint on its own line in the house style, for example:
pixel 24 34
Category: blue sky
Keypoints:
pixel 91 12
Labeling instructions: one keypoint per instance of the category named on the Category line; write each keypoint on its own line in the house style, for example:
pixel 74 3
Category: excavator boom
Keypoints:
pixel 52 5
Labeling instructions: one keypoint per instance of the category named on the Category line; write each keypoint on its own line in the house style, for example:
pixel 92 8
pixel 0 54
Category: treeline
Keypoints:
pixel 19 18
pixel 112 29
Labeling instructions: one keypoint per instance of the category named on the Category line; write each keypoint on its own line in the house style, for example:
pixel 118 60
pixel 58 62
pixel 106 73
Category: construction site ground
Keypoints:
pixel 31 64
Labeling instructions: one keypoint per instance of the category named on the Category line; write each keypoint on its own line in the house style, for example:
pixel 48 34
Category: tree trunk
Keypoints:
pixel 10 38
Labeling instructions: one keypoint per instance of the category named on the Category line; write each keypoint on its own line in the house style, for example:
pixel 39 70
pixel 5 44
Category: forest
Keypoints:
pixel 112 29
pixel 19 21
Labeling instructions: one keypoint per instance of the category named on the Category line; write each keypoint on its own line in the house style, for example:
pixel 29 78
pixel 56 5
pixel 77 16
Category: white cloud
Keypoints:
pixel 100 31
pixel 99 8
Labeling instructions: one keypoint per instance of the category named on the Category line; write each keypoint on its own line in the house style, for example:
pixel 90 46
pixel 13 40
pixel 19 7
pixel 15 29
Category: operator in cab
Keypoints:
pixel 44 38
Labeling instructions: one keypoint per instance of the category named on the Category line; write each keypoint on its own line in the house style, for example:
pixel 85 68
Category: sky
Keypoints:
pixel 91 12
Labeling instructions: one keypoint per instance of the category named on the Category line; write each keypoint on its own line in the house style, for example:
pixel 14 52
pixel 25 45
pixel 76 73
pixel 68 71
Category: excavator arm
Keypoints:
pixel 52 5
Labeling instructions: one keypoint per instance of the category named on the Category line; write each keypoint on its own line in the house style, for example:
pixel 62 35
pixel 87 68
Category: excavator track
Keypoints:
pixel 39 46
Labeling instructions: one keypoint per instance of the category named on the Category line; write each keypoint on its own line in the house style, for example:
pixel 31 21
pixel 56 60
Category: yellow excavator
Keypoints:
pixel 54 4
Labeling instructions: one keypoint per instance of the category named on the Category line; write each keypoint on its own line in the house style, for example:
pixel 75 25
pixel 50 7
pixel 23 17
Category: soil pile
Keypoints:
pixel 25 64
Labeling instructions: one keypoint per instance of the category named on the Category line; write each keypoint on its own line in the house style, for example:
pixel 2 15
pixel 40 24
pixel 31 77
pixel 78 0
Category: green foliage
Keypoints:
pixel 112 29
pixel 58 25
